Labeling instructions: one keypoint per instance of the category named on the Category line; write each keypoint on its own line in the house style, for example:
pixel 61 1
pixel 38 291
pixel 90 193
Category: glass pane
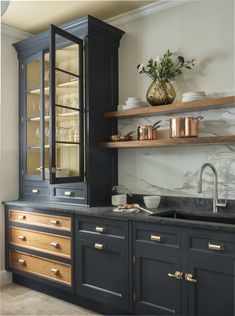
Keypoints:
pixel 67 58
pixel 67 160
pixel 46 115
pixel 33 118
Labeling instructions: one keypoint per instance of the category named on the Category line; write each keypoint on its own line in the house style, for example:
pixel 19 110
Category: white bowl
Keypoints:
pixel 133 98
pixel 152 201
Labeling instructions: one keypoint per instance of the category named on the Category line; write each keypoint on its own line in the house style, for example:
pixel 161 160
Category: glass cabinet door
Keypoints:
pixel 66 99
pixel 33 167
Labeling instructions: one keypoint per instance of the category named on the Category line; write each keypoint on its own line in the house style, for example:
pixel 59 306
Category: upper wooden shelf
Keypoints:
pixel 200 105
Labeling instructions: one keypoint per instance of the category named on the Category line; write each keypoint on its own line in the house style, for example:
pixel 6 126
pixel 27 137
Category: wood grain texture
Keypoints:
pixel 42 220
pixel 41 267
pixel 170 142
pixel 199 105
pixel 40 241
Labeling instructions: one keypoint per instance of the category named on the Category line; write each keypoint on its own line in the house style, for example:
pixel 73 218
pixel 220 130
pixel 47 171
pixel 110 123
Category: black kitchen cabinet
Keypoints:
pixel 102 261
pixel 68 79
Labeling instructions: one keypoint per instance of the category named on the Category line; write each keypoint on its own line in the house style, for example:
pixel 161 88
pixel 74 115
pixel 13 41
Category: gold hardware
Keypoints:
pixel 177 275
pixel 157 237
pixel 22 237
pixel 54 221
pixel 216 247
pixel 99 229
pixel 189 277
pixel 21 217
pixel 22 262
pixel 55 271
pixel 55 244
pixel 36 191
pixel 68 193
pixel 99 246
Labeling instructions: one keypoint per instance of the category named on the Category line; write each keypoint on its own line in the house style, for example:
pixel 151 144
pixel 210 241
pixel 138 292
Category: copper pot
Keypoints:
pixel 147 132
pixel 184 126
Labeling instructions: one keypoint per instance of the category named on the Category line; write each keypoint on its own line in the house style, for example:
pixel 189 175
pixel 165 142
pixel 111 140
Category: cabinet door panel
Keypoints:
pixel 213 294
pixel 102 273
pixel 155 292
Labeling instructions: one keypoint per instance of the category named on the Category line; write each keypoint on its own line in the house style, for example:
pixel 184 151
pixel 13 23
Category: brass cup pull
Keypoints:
pixel 216 247
pixel 55 244
pixel 55 271
pixel 99 246
pixel 177 275
pixel 54 221
pixel 68 193
pixel 35 191
pixel 99 229
pixel 21 217
pixel 22 262
pixel 22 237
pixel 189 277
pixel 157 237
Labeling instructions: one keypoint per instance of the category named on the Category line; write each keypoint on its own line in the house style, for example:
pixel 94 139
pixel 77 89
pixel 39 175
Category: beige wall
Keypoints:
pixel 203 30
pixel 8 131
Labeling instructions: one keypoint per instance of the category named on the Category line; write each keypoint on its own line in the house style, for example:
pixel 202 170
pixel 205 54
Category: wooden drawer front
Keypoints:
pixel 213 244
pixel 49 269
pixel 70 193
pixel 157 235
pixel 37 219
pixel 49 243
pixel 37 191
pixel 101 227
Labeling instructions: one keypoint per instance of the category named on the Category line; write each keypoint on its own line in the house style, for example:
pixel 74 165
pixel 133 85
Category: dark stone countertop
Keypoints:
pixel 107 212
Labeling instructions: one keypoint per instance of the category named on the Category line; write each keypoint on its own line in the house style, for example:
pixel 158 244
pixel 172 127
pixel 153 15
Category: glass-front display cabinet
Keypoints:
pixel 68 79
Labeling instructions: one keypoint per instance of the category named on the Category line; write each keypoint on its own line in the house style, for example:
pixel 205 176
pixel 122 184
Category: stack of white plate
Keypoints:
pixel 193 96
pixel 133 102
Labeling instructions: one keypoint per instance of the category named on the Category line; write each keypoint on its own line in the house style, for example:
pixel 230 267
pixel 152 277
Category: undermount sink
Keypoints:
pixel 215 218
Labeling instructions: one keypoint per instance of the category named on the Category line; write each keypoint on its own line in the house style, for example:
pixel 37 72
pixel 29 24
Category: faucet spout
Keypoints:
pixel 216 204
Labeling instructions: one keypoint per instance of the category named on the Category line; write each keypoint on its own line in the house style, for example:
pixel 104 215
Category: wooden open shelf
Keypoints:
pixel 200 105
pixel 173 142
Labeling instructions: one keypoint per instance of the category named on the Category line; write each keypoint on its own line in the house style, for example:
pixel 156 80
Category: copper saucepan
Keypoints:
pixel 184 126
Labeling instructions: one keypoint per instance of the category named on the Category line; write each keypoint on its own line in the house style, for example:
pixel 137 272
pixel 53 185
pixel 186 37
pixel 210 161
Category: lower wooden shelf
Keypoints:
pixel 172 142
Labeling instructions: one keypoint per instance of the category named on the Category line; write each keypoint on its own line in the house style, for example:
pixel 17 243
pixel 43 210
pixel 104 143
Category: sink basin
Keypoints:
pixel 208 217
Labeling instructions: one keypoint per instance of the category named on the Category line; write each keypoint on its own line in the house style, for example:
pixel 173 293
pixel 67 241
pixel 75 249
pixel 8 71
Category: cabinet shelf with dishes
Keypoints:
pixel 200 105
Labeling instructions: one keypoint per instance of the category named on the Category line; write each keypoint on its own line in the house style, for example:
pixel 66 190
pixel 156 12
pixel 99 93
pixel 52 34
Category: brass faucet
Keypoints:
pixel 216 203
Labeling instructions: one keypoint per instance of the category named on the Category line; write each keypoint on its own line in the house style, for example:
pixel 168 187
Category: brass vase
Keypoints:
pixel 160 93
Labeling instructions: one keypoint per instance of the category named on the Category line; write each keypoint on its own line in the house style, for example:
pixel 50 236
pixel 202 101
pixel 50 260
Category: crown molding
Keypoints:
pixel 156 7
pixel 13 32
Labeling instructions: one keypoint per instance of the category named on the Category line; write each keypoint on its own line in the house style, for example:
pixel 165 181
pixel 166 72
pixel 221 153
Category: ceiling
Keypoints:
pixel 35 16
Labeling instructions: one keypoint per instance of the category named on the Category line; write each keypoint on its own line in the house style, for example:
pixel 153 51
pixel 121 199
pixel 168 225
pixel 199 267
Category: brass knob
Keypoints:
pixel 35 191
pixel 55 271
pixel 54 221
pixel 68 193
pixel 189 277
pixel 21 217
pixel 22 262
pixel 99 246
pixel 55 244
pixel 177 275
pixel 157 237
pixel 216 247
pixel 99 229
pixel 22 237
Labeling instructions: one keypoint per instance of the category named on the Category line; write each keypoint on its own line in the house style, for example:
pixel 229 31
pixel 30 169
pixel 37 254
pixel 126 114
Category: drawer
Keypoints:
pixel 70 194
pixel 99 226
pixel 37 191
pixel 37 219
pixel 50 269
pixel 40 241
pixel 157 235
pixel 214 244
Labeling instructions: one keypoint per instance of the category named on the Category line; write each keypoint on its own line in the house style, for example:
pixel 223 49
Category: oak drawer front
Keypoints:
pixel 37 219
pixel 44 242
pixel 101 227
pixel 214 245
pixel 157 235
pixel 46 268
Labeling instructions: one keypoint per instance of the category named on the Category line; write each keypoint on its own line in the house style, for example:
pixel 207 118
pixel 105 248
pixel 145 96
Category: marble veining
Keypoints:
pixel 173 171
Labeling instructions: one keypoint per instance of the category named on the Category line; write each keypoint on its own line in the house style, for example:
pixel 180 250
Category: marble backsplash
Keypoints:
pixel 173 171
